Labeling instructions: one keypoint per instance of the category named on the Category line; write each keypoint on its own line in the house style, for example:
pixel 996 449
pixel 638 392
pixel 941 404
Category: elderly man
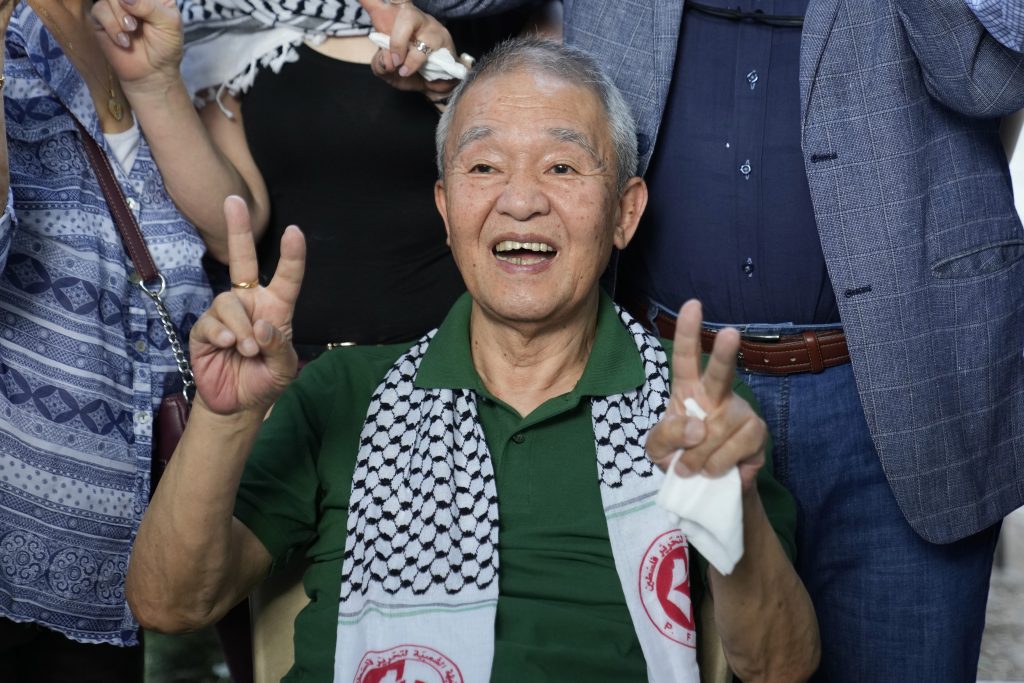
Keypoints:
pixel 515 431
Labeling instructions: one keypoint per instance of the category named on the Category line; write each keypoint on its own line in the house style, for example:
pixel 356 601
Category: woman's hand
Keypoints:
pixel 242 356
pixel 142 40
pixel 408 27
pixel 732 434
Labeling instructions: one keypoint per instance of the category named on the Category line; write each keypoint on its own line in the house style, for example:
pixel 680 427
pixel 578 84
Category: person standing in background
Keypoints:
pixel 84 360
pixel 828 175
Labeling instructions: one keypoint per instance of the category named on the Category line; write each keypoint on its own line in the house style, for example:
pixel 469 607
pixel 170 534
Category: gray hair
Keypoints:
pixel 565 63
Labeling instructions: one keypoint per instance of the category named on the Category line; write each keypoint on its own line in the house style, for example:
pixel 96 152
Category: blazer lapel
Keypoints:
pixel 667 20
pixel 818 22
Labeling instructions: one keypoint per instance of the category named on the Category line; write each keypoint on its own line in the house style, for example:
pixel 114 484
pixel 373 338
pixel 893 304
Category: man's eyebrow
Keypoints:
pixel 576 138
pixel 469 136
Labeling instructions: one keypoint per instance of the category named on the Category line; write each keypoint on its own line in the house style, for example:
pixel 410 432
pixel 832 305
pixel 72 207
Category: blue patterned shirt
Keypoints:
pixel 1004 19
pixel 83 358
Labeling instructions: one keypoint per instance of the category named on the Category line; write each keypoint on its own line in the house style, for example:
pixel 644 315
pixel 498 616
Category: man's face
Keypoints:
pixel 529 196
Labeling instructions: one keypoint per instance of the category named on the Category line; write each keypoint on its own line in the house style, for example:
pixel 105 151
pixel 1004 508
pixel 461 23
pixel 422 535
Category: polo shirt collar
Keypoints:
pixel 614 365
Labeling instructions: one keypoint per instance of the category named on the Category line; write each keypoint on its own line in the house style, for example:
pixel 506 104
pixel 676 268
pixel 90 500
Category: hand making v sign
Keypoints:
pixel 732 433
pixel 242 355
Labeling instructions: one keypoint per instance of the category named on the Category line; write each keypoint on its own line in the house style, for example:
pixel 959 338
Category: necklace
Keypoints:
pixel 114 105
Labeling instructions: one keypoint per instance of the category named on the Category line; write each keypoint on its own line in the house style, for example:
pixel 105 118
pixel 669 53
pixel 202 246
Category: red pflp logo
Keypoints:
pixel 407 664
pixel 665 587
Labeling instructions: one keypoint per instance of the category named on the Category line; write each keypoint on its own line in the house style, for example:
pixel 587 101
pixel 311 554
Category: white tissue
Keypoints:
pixel 440 63
pixel 709 511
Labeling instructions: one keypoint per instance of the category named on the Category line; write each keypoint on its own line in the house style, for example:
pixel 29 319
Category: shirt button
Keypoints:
pixel 752 79
pixel 518 437
pixel 140 346
pixel 748 267
pixel 745 169
pixel 132 204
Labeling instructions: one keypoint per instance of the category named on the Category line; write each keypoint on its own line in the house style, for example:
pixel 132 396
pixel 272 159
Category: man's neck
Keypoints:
pixel 525 365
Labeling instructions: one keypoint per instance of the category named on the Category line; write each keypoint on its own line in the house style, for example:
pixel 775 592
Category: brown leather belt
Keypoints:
pixel 786 354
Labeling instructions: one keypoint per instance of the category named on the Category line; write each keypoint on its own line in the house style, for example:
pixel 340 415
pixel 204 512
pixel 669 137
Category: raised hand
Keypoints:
pixel 732 433
pixel 142 40
pixel 408 26
pixel 242 355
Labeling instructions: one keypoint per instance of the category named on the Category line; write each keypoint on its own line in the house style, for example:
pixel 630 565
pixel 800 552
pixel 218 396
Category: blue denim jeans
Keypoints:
pixel 890 606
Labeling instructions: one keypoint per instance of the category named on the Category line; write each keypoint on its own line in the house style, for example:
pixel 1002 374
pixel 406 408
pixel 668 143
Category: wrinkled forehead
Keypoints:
pixel 530 100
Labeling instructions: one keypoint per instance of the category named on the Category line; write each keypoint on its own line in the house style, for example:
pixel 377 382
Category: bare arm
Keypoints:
pixel 762 610
pixel 6 9
pixel 198 174
pixel 764 616
pixel 192 560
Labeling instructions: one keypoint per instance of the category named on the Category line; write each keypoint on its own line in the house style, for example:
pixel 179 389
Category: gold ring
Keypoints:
pixel 422 47
pixel 251 284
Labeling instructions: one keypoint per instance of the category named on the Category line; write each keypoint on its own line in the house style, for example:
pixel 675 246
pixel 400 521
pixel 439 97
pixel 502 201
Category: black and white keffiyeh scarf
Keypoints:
pixel 228 41
pixel 420 573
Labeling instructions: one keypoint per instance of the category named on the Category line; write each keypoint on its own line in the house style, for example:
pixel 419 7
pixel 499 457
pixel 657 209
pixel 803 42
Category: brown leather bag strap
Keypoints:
pixel 123 217
pixel 151 281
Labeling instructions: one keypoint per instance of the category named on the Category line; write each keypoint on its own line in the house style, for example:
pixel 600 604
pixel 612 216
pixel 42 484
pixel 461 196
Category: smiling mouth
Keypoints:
pixel 523 253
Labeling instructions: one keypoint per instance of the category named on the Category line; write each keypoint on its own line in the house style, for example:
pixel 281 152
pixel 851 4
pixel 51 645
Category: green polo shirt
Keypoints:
pixel 561 612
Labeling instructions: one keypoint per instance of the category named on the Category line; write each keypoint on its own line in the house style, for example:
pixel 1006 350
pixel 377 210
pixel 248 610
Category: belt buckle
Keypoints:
pixel 760 337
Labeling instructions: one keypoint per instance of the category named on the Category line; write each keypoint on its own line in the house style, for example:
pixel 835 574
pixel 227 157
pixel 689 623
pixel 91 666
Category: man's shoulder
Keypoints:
pixel 353 365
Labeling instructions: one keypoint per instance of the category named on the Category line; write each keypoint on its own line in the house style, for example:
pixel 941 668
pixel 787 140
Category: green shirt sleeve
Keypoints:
pixel 279 491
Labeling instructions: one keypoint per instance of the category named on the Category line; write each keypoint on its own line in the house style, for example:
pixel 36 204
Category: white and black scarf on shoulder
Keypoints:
pixel 420 573
pixel 228 41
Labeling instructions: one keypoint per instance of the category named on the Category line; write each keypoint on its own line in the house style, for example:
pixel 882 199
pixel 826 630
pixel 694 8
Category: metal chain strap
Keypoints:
pixel 188 381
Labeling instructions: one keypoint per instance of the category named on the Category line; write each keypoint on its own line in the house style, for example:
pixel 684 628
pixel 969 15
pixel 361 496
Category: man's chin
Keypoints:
pixel 529 311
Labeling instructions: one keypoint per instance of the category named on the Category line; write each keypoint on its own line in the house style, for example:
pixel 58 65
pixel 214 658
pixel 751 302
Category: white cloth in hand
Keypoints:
pixel 709 511
pixel 440 63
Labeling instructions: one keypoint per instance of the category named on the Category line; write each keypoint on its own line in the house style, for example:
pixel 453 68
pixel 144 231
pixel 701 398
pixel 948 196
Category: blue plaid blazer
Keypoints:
pixel 911 191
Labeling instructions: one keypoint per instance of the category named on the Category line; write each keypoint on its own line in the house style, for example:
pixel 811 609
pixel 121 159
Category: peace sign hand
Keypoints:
pixel 732 434
pixel 242 355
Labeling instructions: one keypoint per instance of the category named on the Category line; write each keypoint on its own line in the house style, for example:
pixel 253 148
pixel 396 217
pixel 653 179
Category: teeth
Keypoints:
pixel 512 245
pixel 521 260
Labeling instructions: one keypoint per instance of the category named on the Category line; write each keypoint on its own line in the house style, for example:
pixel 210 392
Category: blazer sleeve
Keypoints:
pixel 1004 19
pixel 965 67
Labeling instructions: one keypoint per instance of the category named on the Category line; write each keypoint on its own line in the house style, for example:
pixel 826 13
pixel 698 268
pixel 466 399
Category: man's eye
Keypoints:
pixel 481 168
pixel 561 169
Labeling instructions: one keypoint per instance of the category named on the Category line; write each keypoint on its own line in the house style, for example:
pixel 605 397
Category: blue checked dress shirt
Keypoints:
pixel 1004 20
pixel 729 219
pixel 83 358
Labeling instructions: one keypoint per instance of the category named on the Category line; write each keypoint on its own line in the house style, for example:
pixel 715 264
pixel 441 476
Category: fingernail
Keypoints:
pixel 129 2
pixel 403 72
pixel 248 347
pixel 225 338
pixel 123 40
pixel 129 22
pixel 694 432
pixel 264 333
pixel 395 59
pixel 682 470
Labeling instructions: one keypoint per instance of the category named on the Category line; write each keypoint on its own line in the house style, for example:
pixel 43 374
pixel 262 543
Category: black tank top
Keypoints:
pixel 350 160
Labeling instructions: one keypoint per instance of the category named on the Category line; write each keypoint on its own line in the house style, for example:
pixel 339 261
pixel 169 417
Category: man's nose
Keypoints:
pixel 523 197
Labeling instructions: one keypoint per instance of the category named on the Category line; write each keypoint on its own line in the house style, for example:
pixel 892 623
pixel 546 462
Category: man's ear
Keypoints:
pixel 442 208
pixel 632 202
